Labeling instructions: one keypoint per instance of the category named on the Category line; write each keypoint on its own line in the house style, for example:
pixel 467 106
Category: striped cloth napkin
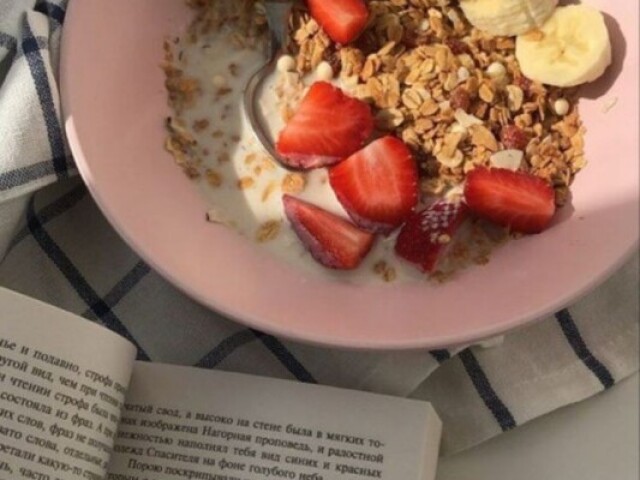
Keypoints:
pixel 56 246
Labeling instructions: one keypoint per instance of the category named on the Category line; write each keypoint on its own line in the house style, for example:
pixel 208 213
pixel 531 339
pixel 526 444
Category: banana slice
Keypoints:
pixel 573 47
pixel 508 17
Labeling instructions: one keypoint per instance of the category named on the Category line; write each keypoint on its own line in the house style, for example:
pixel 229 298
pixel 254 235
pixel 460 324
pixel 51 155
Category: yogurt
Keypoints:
pixel 240 183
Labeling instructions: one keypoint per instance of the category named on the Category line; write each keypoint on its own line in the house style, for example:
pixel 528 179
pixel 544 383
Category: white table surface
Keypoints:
pixel 594 440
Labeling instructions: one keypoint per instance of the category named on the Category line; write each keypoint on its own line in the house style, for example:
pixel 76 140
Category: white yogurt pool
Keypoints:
pixel 244 188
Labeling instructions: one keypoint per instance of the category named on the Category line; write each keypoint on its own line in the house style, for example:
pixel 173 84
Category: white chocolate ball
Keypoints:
pixel 286 63
pixel 324 71
pixel 496 70
pixel 561 107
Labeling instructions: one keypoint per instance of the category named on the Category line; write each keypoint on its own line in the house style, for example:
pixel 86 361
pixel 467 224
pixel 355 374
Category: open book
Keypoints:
pixel 75 404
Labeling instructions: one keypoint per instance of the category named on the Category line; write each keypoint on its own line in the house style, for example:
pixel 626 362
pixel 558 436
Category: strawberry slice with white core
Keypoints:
pixel 342 20
pixel 428 233
pixel 327 127
pixel 332 241
pixel 378 186
pixel 518 200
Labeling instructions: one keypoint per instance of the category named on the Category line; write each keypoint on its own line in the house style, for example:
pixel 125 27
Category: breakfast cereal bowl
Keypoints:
pixel 115 108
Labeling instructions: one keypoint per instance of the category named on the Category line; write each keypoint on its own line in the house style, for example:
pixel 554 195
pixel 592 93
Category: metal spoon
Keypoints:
pixel 278 12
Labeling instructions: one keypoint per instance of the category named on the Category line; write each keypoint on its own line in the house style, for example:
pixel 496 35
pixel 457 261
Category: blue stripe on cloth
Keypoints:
pixel 21 176
pixel 225 348
pixel 7 41
pixel 122 288
pixel 38 69
pixel 286 357
pixel 485 390
pixel 42 42
pixel 9 44
pixel 441 356
pixel 53 11
pixel 43 45
pixel 77 281
pixel 53 211
pixel 244 337
pixel 573 336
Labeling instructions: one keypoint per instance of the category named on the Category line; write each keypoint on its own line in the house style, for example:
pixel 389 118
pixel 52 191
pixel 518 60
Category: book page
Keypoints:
pixel 62 385
pixel 184 423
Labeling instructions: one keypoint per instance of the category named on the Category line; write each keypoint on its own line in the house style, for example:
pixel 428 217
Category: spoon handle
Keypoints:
pixel 278 12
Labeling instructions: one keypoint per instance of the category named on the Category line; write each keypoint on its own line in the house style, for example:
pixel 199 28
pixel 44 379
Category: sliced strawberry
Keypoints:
pixel 517 200
pixel 343 20
pixel 327 128
pixel 332 241
pixel 427 234
pixel 378 186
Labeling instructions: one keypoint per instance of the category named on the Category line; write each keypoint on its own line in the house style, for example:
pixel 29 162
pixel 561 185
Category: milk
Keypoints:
pixel 212 59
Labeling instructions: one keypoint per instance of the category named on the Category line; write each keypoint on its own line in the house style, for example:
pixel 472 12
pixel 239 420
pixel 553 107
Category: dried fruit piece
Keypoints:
pixel 457 46
pixel 523 82
pixel 460 99
pixel 514 138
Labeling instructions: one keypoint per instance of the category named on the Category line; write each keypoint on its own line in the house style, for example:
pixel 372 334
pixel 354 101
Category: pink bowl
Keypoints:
pixel 114 104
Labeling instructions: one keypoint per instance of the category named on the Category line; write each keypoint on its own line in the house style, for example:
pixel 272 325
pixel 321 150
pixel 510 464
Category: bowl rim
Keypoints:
pixel 84 167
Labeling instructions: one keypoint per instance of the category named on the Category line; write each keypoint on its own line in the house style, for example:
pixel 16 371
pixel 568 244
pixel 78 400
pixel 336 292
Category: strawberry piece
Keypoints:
pixel 378 186
pixel 342 20
pixel 427 234
pixel 517 200
pixel 327 128
pixel 333 241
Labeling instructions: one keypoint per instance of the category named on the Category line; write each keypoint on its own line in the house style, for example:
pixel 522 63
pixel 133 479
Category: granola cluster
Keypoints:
pixel 448 90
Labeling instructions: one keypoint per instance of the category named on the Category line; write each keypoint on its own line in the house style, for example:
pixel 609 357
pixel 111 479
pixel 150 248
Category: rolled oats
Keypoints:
pixel 385 271
pixel 515 97
pixel 269 231
pixel 481 136
pixel 450 143
pixel 271 188
pixel 450 161
pixel 246 183
pixel 414 98
pixel 213 178
pixel 445 88
pixel 294 183
pixel 486 93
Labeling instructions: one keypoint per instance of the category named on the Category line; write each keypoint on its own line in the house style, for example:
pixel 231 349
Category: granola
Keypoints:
pixel 455 95
pixel 421 66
